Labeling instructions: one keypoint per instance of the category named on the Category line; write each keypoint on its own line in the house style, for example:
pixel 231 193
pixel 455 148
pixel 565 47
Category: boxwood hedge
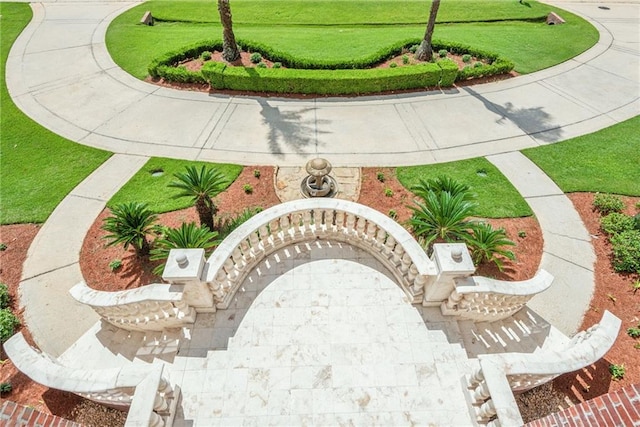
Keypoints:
pixel 324 78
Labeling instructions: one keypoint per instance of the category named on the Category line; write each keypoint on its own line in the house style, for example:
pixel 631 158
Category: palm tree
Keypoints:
pixel 130 224
pixel 441 217
pixel 486 244
pixel 425 50
pixel 186 236
pixel 201 186
pixel 230 50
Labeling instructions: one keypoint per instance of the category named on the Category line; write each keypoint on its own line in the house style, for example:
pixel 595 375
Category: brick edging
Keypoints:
pixel 15 415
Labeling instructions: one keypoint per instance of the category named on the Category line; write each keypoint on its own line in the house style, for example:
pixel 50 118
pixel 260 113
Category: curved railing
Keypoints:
pixel 140 388
pixel 483 299
pixel 149 308
pixel 499 375
pixel 310 219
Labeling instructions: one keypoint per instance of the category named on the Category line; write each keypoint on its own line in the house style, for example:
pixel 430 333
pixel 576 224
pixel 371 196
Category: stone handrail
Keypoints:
pixel 140 387
pixel 303 220
pixel 153 307
pixel 492 386
pixel 483 299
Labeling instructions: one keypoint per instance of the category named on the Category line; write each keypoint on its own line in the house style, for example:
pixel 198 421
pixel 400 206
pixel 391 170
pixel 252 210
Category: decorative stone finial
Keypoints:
pixel 182 260
pixel 318 167
pixel 456 254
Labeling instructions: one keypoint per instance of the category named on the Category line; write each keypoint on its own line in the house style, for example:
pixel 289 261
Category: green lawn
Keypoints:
pixel 38 168
pixel 607 161
pixel 154 190
pixel 338 30
pixel 497 198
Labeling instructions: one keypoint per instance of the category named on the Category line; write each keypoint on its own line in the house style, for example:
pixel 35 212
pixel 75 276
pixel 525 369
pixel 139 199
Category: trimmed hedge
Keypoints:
pixel 330 82
pixel 324 78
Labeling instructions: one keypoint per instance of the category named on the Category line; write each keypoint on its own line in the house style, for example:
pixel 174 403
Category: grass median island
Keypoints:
pixel 607 161
pixel 150 184
pixel 38 167
pixel 341 31
pixel 497 198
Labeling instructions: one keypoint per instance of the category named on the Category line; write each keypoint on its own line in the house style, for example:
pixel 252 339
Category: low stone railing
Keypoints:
pixel 304 220
pixel 482 299
pixel 492 386
pixel 153 307
pixel 141 388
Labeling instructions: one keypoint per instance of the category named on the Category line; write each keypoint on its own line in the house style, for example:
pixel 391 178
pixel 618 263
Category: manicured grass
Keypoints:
pixel 607 161
pixel 153 190
pixel 339 31
pixel 497 198
pixel 38 167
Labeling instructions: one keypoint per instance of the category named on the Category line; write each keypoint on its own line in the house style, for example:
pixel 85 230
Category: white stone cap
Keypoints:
pixel 184 265
pixel 453 258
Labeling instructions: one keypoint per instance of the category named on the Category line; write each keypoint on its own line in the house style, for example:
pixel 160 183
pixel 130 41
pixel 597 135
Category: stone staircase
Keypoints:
pixel 524 332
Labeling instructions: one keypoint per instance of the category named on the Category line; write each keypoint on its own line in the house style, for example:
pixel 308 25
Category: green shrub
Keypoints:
pixel 5 388
pixel 405 59
pixel 205 56
pixel 256 173
pixel 478 65
pixel 615 223
pixel 247 188
pixel 413 48
pixel 8 324
pixel 115 264
pixel 228 223
pixel 255 57
pixel 442 53
pixel 261 65
pixel 3 247
pixel 336 82
pixel 393 214
pixel 636 221
pixel 634 332
pixel 466 58
pixel 487 244
pixel 607 203
pixel 388 192
pixel 393 65
pixel 442 183
pixel 617 372
pixel 626 251
pixel 4 296
pixel 380 176
pixel 277 65
pixel 130 224
pixel 186 236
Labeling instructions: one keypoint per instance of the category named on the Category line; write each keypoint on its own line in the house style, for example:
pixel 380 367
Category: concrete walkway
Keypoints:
pixel 60 74
pixel 81 94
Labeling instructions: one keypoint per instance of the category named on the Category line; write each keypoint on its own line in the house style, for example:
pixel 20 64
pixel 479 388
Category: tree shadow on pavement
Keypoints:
pixel 533 121
pixel 293 129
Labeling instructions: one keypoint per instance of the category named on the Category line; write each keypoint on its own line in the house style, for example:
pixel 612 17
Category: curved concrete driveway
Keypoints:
pixel 74 89
pixel 60 74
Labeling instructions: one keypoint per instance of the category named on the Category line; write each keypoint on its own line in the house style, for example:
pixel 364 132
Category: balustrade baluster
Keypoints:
pixel 487 410
pixel 339 222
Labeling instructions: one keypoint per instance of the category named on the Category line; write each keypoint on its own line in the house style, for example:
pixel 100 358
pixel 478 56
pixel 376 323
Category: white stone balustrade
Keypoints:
pixel 304 220
pixel 151 399
pixel 492 386
pixel 154 307
pixel 482 299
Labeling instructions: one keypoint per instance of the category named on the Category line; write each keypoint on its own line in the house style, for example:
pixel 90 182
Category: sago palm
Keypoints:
pixel 441 217
pixel 487 244
pixel 130 224
pixel 186 236
pixel 201 185
pixel 440 184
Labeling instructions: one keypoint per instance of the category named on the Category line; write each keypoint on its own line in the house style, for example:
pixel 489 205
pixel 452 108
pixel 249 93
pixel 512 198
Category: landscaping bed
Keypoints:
pixel 575 387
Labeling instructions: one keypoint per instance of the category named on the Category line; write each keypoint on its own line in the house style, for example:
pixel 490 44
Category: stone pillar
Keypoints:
pixel 453 260
pixel 184 268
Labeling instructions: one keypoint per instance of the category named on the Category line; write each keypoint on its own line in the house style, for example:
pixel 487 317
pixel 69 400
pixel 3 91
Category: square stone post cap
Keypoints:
pixel 453 258
pixel 184 265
